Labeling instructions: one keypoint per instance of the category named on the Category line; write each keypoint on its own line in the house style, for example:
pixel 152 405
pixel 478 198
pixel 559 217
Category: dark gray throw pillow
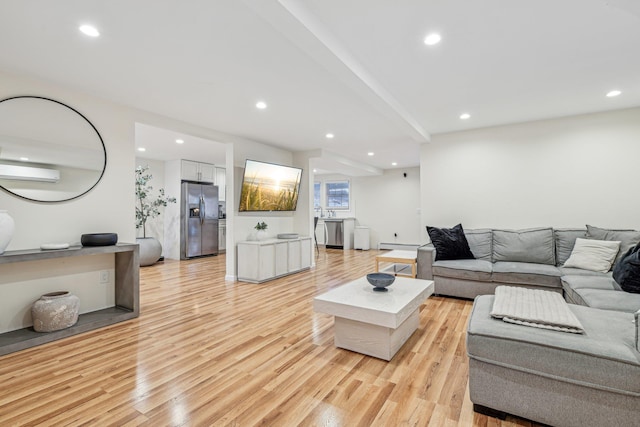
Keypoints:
pixel 450 243
pixel 626 272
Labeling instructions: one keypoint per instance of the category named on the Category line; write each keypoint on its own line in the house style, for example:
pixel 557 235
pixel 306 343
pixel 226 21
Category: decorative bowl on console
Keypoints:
pixel 380 281
pixel 99 239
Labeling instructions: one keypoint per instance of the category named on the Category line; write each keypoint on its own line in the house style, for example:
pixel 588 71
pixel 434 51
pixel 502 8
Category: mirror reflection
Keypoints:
pixel 49 152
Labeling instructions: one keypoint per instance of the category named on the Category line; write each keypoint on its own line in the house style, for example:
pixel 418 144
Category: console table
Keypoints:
pixel 127 294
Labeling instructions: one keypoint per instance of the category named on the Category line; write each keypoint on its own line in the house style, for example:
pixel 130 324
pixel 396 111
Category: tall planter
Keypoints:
pixel 150 250
pixel 6 230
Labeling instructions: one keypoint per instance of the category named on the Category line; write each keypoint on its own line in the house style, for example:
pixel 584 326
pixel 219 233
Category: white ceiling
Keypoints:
pixel 356 68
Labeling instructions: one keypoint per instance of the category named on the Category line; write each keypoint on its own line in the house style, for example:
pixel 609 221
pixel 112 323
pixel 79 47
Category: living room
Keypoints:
pixel 573 166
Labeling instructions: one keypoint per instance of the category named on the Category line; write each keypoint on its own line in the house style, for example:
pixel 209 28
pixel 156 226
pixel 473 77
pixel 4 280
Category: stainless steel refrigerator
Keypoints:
pixel 199 220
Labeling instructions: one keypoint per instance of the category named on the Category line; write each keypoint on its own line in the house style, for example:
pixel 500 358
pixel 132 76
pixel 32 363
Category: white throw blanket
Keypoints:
pixel 531 307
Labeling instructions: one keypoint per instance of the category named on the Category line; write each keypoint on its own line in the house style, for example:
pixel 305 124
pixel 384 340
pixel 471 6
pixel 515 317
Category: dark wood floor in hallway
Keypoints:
pixel 207 352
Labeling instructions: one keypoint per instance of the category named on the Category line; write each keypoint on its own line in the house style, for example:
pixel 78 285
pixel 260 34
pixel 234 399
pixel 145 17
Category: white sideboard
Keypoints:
pixel 259 261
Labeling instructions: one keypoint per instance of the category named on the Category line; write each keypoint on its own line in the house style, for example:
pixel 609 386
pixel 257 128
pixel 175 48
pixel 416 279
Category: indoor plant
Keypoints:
pixel 148 206
pixel 261 234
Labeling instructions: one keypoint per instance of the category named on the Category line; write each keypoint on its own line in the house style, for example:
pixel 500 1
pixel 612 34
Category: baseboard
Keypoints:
pixel 399 246
pixel 230 278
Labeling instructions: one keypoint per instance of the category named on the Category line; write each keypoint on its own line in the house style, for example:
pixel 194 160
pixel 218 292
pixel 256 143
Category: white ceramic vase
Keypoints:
pixel 150 250
pixel 261 235
pixel 55 311
pixel 6 230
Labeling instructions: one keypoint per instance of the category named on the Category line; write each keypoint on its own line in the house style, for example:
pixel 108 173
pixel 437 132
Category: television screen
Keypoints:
pixel 269 187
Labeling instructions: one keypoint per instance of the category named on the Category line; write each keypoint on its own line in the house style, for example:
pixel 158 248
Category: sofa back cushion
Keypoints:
pixel 565 239
pixel 533 245
pixel 480 241
pixel 627 238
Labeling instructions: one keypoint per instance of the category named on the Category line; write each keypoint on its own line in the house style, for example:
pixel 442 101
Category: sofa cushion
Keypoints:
pixel 533 245
pixel 568 271
pixel 603 358
pixel 565 238
pixel 596 255
pixel 608 300
pixel 627 238
pixel 573 282
pixel 480 243
pixel 599 292
pixel 525 273
pixel 450 243
pixel 466 269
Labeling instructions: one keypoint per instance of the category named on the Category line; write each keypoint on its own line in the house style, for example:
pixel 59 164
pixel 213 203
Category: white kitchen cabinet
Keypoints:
pixel 196 171
pixel 259 261
pixel 221 182
pixel 294 256
pixel 222 236
pixel 282 259
pixel 321 235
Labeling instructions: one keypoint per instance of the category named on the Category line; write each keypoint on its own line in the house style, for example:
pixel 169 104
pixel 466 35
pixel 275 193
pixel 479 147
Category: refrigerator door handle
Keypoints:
pixel 203 206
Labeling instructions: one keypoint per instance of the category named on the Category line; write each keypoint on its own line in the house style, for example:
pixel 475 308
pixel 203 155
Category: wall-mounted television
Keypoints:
pixel 269 187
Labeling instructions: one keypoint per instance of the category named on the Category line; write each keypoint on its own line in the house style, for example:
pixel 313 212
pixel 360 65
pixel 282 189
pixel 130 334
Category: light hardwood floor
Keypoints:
pixel 205 352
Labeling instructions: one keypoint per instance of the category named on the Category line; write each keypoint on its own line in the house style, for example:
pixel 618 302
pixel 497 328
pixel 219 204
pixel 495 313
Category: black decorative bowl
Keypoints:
pixel 380 281
pixel 99 239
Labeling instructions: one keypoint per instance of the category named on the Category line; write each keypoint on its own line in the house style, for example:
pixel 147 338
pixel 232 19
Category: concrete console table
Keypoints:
pixel 127 294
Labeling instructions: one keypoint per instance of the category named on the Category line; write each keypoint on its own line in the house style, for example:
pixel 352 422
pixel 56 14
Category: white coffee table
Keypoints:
pixel 375 323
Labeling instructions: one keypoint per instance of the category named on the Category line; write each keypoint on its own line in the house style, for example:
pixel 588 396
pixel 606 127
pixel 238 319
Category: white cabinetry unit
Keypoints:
pixel 321 235
pixel 259 261
pixel 221 182
pixel 196 171
pixel 222 236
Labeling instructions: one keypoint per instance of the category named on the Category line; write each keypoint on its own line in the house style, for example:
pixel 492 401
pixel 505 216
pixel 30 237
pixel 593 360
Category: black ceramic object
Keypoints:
pixel 380 281
pixel 99 239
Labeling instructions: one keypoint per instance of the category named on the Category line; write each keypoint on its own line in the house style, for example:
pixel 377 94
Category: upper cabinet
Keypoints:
pixel 221 182
pixel 196 171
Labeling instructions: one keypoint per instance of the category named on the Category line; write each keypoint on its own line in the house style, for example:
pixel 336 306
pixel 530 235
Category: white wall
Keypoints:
pixel 563 173
pixel 388 204
pixel 106 208
pixel 155 226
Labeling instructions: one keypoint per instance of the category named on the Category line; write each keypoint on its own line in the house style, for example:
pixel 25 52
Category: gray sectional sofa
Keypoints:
pixel 551 377
pixel 532 258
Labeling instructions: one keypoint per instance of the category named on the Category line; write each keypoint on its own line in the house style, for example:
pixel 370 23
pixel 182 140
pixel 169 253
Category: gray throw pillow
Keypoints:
pixel 627 238
pixel 533 245
pixel 565 240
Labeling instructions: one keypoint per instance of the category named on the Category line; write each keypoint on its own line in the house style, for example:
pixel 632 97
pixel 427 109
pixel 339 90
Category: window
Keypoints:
pixel 337 194
pixel 316 195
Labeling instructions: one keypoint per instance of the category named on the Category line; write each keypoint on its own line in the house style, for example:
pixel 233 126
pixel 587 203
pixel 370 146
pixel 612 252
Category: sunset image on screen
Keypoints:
pixel 269 187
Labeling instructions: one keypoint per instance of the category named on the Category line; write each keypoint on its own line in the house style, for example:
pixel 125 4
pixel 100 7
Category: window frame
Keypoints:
pixel 327 185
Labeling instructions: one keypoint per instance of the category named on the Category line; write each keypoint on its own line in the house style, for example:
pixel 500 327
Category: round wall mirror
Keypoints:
pixel 49 152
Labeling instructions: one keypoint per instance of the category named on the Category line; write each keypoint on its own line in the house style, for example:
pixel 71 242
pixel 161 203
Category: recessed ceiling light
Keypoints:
pixel 465 116
pixel 315 170
pixel 394 164
pixel 89 30
pixel 24 159
pixel 142 149
pixel 330 136
pixel 261 105
pixel 370 153
pixel 613 93
pixel 179 141
pixel 432 39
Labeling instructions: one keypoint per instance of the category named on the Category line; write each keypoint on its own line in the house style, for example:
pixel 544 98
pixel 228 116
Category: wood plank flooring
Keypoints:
pixel 206 352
